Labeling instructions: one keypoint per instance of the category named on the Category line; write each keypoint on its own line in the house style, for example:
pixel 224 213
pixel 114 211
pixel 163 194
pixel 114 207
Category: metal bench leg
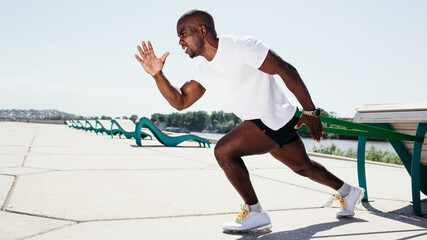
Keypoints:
pixel 415 170
pixel 361 172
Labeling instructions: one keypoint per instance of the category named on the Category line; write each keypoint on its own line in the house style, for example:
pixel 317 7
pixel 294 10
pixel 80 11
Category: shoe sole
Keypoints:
pixel 253 230
pixel 355 205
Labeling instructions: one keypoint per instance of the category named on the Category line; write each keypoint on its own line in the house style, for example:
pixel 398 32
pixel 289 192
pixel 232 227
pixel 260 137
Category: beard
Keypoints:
pixel 197 51
pixel 191 53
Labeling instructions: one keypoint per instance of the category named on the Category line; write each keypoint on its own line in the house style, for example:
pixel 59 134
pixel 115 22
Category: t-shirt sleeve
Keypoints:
pixel 251 51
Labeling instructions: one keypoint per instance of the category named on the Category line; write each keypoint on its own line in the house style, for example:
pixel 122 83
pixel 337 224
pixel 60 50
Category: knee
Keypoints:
pixel 220 153
pixel 223 153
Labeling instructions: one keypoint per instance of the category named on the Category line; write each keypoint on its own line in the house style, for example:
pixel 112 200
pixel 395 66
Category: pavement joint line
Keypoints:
pixel 102 170
pixel 131 169
pixel 184 215
pixel 47 231
pixel 294 209
pixel 171 216
pixel 387 199
pixel 148 217
pixel 7 174
pixel 79 154
pixel 29 147
pixel 39 168
pixel 4 145
pixel 9 193
pixel 12 153
pixel 23 161
pixel 40 216
pixel 34 173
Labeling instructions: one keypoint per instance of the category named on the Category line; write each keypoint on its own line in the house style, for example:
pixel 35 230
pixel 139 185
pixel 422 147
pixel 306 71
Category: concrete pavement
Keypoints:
pixel 61 183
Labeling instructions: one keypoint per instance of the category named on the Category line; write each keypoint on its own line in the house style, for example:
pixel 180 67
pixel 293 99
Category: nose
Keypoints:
pixel 181 41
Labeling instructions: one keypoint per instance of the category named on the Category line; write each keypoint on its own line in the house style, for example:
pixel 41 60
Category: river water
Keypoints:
pixel 310 143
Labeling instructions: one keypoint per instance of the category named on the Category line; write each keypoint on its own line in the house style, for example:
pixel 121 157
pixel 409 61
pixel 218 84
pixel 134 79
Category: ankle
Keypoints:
pixel 344 190
pixel 255 208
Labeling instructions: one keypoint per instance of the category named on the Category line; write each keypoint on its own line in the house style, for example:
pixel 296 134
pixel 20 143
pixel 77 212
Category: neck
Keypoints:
pixel 211 47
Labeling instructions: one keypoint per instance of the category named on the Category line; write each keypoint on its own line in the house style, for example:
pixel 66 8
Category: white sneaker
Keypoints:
pixel 247 222
pixel 348 204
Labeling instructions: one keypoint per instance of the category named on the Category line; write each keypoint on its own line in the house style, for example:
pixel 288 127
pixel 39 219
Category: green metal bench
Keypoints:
pixel 69 123
pixel 127 128
pixel 72 124
pixel 410 160
pixel 103 127
pixel 169 141
pixel 89 126
pixel 407 118
pixel 79 125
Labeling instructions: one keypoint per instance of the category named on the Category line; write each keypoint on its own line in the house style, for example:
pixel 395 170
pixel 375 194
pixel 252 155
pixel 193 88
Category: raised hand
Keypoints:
pixel 151 64
pixel 314 126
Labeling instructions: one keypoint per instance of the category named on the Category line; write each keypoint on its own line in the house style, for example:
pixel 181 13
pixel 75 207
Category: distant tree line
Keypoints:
pixel 80 117
pixel 221 122
pixel 201 121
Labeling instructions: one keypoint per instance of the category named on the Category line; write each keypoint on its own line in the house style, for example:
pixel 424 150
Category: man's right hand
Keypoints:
pixel 314 126
pixel 151 64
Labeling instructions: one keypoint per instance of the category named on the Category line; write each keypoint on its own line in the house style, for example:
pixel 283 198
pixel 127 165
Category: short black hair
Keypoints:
pixel 202 17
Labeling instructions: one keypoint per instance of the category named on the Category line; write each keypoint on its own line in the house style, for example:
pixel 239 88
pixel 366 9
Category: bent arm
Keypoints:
pixel 182 98
pixel 274 64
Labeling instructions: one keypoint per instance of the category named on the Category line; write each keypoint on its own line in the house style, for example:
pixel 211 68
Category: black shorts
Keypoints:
pixel 285 135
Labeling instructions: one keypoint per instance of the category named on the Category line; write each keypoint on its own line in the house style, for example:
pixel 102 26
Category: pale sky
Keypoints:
pixel 77 56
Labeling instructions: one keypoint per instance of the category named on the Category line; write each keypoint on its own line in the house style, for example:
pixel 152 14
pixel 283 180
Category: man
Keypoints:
pixel 239 71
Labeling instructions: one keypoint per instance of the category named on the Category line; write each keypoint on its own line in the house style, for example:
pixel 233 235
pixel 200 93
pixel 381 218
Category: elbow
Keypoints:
pixel 289 74
pixel 179 107
pixel 287 69
pixel 180 103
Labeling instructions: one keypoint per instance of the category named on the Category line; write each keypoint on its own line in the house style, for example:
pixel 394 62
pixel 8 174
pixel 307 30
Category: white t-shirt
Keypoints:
pixel 234 78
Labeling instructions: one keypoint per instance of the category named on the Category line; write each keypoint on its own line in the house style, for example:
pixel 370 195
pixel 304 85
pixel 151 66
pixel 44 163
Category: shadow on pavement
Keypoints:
pixel 404 214
pixel 300 233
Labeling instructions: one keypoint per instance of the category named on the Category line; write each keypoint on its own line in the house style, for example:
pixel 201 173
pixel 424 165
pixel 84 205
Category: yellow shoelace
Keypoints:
pixel 242 215
pixel 342 200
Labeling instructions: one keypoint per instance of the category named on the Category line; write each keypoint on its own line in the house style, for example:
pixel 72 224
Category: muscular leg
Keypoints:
pixel 295 157
pixel 246 139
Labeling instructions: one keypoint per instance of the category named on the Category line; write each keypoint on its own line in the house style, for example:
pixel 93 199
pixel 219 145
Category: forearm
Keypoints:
pixel 169 92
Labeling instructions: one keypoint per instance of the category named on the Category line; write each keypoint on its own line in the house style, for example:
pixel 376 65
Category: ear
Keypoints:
pixel 203 30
